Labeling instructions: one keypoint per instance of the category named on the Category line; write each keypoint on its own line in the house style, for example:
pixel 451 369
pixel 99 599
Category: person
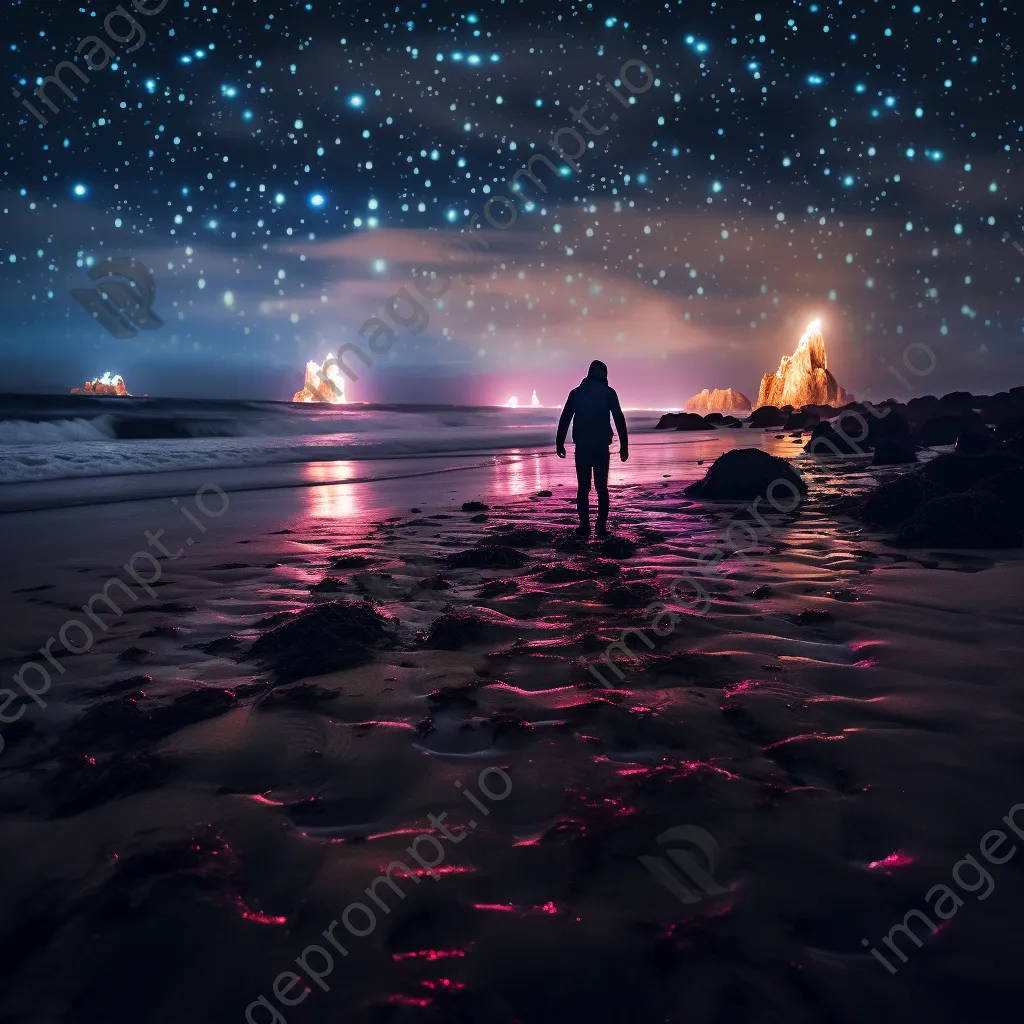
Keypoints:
pixel 588 407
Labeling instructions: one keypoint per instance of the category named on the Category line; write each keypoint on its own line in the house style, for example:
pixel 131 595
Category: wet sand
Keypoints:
pixel 843 721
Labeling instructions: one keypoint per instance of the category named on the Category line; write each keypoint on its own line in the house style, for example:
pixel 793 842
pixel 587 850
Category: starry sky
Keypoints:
pixel 284 167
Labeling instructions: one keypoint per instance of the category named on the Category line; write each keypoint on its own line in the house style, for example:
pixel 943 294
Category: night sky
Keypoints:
pixel 284 167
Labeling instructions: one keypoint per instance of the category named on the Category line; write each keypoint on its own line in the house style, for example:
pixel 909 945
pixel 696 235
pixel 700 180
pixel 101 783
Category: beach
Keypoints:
pixel 188 828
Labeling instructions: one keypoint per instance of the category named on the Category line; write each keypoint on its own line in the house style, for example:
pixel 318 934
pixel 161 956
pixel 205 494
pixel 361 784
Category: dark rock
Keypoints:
pixel 455 629
pixel 801 420
pixel 810 616
pixel 83 781
pixel 351 561
pixel 629 595
pixel 826 440
pixel 498 588
pixel 767 416
pixel 416 510
pixel 891 451
pixel 488 556
pixel 893 501
pixel 758 593
pixel 974 442
pixel 731 421
pixel 134 654
pixel 222 645
pixel 543 494
pixel 331 636
pixel 747 473
pixel 960 472
pixel 563 574
pixel 232 565
pixel 435 582
pixel 474 506
pixel 945 429
pixel 480 517
pixel 525 537
pixel 970 520
pixel 683 421
pixel 617 547
pixel 328 585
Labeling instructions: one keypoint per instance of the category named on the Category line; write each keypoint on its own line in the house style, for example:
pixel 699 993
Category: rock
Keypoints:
pixel 747 473
pixel 454 629
pixel 810 616
pixel 637 594
pixel 893 451
pixel 761 592
pixel 767 416
pixel 498 588
pixel 731 421
pixel 974 442
pixel 682 421
pixel 543 494
pixel 954 472
pixel 331 636
pixel 894 501
pixel 970 520
pixel 826 440
pixel 474 506
pixel 328 585
pixel 351 562
pixel 801 420
pixel 480 517
pixel 110 386
pixel 617 547
pixel 720 400
pixel 524 537
pixel 944 429
pixel 803 378
pixel 488 556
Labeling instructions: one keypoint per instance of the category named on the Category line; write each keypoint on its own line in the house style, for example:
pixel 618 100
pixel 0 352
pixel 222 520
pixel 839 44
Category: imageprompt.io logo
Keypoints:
pixel 122 307
pixel 693 878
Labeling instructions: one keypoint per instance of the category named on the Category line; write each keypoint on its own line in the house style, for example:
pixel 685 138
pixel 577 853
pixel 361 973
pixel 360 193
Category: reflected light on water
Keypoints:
pixel 331 502
pixel 523 473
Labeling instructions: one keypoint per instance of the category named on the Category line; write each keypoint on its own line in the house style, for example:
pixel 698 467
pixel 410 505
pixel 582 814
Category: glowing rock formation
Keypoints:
pixel 534 400
pixel 108 384
pixel 724 400
pixel 512 403
pixel 322 383
pixel 803 378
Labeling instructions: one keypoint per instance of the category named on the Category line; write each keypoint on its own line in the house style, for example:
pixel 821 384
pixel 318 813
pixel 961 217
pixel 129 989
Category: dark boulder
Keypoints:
pixel 767 416
pixel 801 420
pixel 894 501
pixel 454 630
pixel 974 442
pixel 474 506
pixel 826 440
pixel 488 556
pixel 747 473
pixel 332 636
pixel 731 421
pixel 945 429
pixel 682 421
pixel 970 520
pixel 961 472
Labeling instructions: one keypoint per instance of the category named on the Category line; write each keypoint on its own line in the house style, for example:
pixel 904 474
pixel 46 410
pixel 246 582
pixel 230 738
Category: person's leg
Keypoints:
pixel 583 471
pixel 601 461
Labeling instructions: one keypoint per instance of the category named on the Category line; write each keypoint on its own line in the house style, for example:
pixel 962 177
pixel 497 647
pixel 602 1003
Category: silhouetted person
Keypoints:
pixel 589 407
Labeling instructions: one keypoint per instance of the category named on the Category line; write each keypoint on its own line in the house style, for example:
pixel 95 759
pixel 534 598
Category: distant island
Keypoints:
pixel 108 384
pixel 723 400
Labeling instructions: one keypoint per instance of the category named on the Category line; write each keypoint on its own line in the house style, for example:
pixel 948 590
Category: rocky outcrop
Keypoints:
pixel 803 378
pixel 105 385
pixel 743 474
pixel 322 383
pixel 683 421
pixel 724 400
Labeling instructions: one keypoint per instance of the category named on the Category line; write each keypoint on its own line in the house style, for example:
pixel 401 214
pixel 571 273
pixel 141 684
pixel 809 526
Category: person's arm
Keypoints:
pixel 563 427
pixel 620 426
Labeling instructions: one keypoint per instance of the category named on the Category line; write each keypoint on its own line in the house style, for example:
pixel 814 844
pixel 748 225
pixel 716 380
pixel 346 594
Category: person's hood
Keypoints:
pixel 591 381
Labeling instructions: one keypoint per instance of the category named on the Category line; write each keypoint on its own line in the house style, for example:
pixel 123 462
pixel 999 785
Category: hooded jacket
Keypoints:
pixel 589 406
